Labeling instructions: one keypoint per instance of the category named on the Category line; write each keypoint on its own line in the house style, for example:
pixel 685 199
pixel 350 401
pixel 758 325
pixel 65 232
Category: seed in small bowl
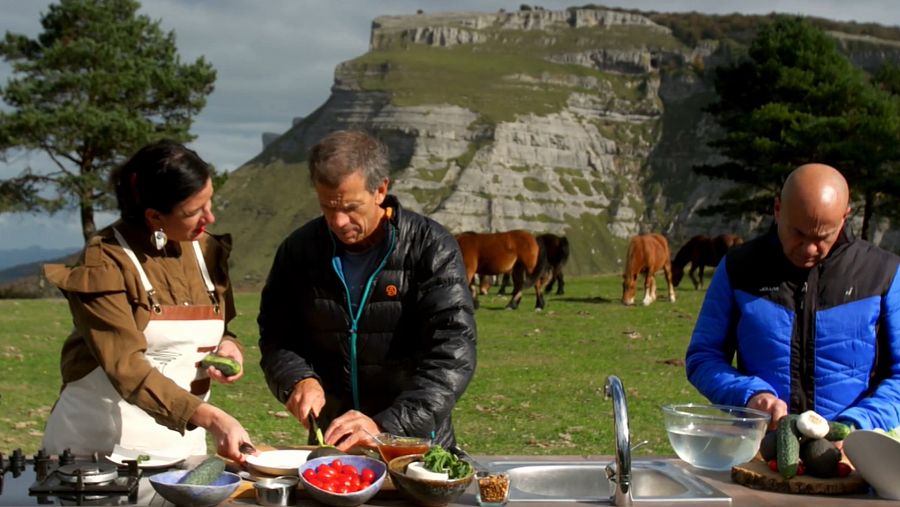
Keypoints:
pixel 493 489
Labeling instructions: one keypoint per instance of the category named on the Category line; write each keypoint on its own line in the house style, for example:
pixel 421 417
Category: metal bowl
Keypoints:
pixel 277 491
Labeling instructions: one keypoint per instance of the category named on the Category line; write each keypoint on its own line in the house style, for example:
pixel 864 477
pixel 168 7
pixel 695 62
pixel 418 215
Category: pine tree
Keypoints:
pixel 793 99
pixel 97 83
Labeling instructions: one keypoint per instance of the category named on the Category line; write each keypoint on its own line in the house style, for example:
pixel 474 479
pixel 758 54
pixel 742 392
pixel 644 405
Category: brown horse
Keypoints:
pixel 516 252
pixel 701 251
pixel 557 248
pixel 647 254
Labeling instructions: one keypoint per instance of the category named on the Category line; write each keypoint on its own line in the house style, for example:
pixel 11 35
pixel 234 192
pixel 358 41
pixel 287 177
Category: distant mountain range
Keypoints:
pixel 33 253
pixel 22 262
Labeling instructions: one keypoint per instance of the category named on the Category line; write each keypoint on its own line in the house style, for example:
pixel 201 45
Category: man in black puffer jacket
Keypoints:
pixel 366 319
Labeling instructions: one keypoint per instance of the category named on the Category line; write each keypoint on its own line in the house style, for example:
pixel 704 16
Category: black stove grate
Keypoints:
pixel 47 482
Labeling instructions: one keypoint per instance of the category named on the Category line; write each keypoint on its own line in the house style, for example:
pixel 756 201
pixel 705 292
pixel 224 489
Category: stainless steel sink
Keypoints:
pixel 654 481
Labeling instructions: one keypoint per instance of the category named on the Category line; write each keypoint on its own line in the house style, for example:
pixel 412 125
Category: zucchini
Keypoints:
pixel 788 446
pixel 204 473
pixel 837 431
pixel 226 365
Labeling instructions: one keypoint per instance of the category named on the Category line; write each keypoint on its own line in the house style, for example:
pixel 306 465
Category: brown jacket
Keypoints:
pixel 110 308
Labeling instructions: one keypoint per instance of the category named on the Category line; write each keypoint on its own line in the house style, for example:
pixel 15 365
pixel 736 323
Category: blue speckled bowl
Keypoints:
pixel 191 495
pixel 345 499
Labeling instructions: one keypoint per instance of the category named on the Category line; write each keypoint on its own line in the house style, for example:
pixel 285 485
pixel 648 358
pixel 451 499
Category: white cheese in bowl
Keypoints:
pixel 417 470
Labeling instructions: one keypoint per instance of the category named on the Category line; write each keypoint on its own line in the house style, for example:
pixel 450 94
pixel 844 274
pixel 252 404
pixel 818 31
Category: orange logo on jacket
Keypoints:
pixel 391 290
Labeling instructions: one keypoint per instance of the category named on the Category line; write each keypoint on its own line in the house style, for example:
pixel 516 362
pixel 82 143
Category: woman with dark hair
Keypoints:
pixel 150 298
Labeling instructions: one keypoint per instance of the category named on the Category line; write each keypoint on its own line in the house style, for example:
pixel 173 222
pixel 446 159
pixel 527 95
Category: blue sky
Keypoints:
pixel 276 60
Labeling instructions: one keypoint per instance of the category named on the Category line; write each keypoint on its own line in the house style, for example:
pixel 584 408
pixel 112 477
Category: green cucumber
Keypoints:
pixel 204 473
pixel 788 446
pixel 837 431
pixel 226 365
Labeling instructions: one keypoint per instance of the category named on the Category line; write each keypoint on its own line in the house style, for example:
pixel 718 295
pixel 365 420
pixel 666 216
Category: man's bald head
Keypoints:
pixel 816 186
pixel 810 213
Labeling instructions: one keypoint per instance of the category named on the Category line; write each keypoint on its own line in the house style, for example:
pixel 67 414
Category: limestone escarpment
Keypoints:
pixel 583 122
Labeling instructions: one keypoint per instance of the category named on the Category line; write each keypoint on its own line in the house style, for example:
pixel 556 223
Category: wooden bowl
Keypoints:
pixel 424 492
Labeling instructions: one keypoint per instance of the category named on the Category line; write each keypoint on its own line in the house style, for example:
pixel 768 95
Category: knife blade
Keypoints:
pixel 315 435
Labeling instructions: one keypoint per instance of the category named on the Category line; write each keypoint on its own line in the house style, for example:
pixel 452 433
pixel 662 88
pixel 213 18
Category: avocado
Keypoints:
pixel 820 457
pixel 767 448
pixel 325 450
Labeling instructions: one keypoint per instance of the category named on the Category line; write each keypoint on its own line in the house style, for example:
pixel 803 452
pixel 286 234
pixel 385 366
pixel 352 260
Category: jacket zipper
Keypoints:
pixel 354 319
pixel 804 399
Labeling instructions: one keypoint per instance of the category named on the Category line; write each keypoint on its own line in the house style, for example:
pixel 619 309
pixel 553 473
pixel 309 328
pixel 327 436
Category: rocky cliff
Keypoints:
pixel 583 122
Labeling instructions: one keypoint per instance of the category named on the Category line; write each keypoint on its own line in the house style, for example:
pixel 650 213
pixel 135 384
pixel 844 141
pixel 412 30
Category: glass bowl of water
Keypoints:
pixel 714 437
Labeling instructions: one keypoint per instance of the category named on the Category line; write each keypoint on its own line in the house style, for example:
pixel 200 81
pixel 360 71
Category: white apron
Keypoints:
pixel 90 416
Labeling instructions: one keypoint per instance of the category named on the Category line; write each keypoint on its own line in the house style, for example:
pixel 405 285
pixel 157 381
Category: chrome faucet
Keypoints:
pixel 619 472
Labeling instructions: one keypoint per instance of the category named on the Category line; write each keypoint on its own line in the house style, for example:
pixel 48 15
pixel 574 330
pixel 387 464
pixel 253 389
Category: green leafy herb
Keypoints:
pixel 142 458
pixel 439 460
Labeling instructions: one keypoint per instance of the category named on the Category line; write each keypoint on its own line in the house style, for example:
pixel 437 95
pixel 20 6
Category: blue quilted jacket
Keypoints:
pixel 824 339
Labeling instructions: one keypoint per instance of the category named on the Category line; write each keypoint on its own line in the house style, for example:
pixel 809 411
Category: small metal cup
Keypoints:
pixel 277 491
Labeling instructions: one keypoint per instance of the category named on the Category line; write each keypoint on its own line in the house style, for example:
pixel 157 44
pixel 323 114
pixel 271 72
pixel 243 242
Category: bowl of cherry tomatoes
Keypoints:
pixel 342 481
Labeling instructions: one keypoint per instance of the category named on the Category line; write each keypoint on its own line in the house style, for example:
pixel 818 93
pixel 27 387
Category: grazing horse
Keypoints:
pixel 701 251
pixel 516 252
pixel 557 248
pixel 647 253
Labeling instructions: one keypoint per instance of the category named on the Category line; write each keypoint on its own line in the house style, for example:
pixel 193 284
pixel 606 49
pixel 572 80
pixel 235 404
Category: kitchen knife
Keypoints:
pixel 315 434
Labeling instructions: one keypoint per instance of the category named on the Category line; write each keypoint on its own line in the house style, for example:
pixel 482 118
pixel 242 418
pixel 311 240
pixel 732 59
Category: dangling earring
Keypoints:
pixel 159 239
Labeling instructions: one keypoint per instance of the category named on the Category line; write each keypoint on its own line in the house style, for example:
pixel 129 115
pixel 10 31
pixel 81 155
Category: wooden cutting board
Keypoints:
pixel 756 474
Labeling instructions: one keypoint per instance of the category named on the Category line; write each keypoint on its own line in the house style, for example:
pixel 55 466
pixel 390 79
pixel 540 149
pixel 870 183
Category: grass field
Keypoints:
pixel 538 388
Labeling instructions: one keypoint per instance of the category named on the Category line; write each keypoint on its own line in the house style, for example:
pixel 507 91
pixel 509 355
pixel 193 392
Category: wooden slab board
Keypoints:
pixel 756 474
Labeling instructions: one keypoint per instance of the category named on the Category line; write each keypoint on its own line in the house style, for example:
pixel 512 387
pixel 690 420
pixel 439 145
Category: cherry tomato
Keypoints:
pixel 801 470
pixel 367 475
pixel 331 486
pixel 309 474
pixel 348 470
pixel 337 464
pixel 773 465
pixel 843 469
pixel 325 472
pixel 364 484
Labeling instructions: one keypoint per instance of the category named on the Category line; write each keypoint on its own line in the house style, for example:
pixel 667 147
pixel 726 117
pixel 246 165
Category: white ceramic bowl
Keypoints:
pixel 714 437
pixel 876 457
pixel 280 462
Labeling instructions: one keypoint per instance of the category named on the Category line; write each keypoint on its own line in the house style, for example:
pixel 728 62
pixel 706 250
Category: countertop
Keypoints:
pixel 741 496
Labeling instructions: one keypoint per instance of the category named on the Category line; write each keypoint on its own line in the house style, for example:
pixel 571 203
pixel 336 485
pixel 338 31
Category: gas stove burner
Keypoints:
pixel 87 473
